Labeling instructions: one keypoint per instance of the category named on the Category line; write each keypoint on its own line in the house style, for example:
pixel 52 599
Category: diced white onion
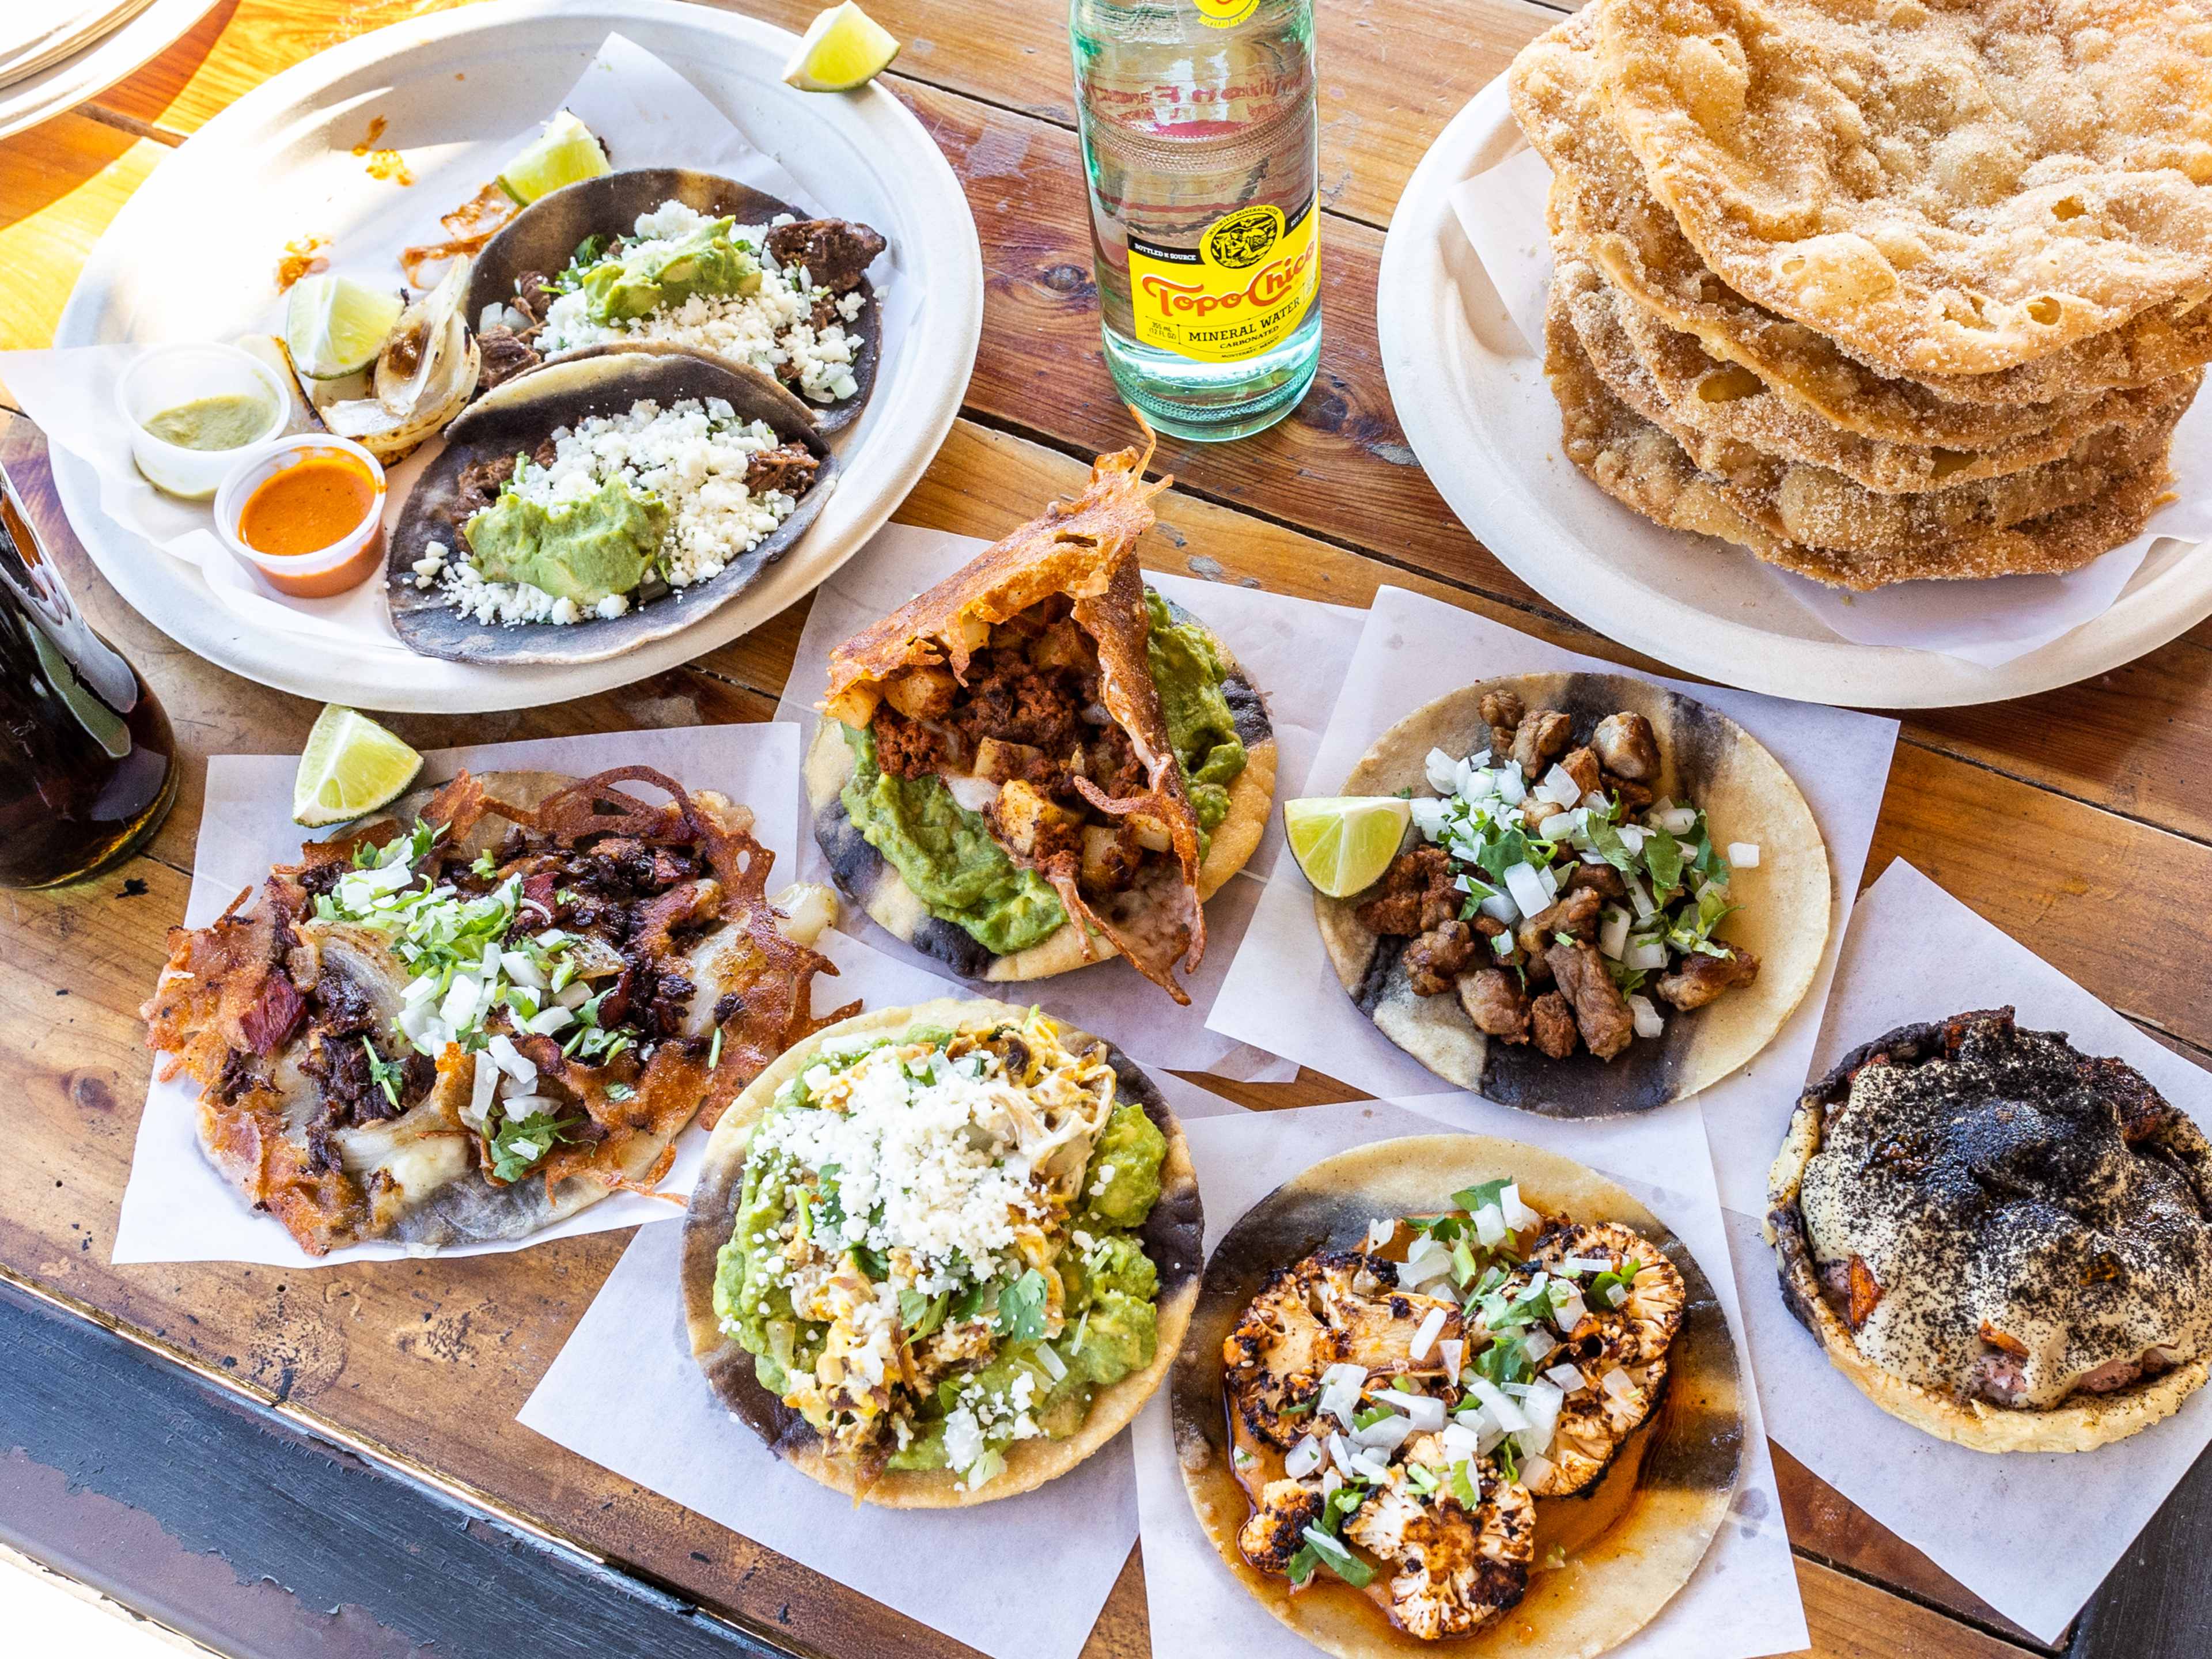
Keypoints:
pixel 1055 1366
pixel 575 994
pixel 1583 1264
pixel 1569 1378
pixel 1647 954
pixel 1535 1469
pixel 1370 1467
pixel 1617 1383
pixel 1429 818
pixel 1558 827
pixel 1339 1452
pixel 1518 1215
pixel 1560 785
pixel 1542 1406
pixel 420 989
pixel 1536 1342
pixel 1675 820
pixel 481 1095
pixel 524 1105
pixel 1613 930
pixel 1501 946
pixel 1384 1436
pixel 1528 892
pixel 1594 801
pixel 521 970
pixel 1512 788
pixel 459 1006
pixel 1638 899
pixel 1443 772
pixel 1415 1273
pixel 511 1060
pixel 1549 882
pixel 1743 855
pixel 1631 838
pixel 1570 1313
pixel 547 1021
pixel 1304 1458
pixel 1380 1232
pixel 1615 1295
pixel 1342 1372
pixel 1451 1350
pixel 1459 1441
pixel 1650 1023
pixel 1489 1225
pixel 1424 1339
pixel 1502 1412
pixel 1423 1412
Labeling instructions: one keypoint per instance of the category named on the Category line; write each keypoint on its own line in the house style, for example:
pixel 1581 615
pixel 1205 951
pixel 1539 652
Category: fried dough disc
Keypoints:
pixel 1948 191
pixel 1600 208
pixel 1646 471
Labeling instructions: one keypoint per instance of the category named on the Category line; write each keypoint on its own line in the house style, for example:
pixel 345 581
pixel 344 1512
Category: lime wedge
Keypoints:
pixel 565 152
pixel 351 765
pixel 1344 842
pixel 844 48
pixel 335 326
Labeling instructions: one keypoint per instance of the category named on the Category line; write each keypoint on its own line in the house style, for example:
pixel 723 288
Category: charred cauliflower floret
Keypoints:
pixel 1339 1307
pixel 1639 1329
pixel 1455 1569
pixel 1276 1531
pixel 1594 1421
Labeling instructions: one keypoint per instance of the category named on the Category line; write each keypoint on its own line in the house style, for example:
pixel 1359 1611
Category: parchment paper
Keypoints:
pixel 2032 1535
pixel 1742 1599
pixel 178 1208
pixel 1989 623
pixel 1022 1579
pixel 1295 651
pixel 648 114
pixel 1282 994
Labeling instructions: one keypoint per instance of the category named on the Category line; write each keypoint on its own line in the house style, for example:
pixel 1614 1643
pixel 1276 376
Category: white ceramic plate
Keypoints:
pixel 1474 405
pixel 173 264
pixel 122 50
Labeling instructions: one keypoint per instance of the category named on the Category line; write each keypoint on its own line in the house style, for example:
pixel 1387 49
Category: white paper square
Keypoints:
pixel 1282 994
pixel 1295 651
pixel 177 1207
pixel 1021 1578
pixel 1742 1599
pixel 2032 1535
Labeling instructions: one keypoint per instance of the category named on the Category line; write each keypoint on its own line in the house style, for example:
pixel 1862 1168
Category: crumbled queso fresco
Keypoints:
pixel 771 327
pixel 692 456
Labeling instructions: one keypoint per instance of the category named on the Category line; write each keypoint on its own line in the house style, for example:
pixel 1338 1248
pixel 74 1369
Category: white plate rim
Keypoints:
pixel 1416 301
pixel 916 409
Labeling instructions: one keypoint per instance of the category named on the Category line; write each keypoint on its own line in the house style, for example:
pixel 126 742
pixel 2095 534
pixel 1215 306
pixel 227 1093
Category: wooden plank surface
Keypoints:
pixel 2082 816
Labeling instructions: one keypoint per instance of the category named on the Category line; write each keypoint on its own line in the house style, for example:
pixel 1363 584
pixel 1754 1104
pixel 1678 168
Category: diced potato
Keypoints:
pixel 998 761
pixel 1061 646
pixel 1151 834
pixel 855 705
pixel 1031 824
pixel 1108 865
pixel 922 694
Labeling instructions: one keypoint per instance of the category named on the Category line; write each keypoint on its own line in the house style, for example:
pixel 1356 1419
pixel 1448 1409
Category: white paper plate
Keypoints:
pixel 89 71
pixel 162 272
pixel 1477 412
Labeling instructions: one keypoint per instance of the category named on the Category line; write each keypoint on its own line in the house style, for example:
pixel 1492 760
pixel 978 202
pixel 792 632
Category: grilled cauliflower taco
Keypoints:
pixel 1608 896
pixel 940 1255
pixel 1403 1358
pixel 475 1016
pixel 676 257
pixel 1041 761
pixel 2000 1240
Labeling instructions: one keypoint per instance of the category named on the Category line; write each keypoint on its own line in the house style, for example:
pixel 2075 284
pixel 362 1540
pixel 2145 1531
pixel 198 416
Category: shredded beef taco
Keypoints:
pixel 1609 896
pixel 472 1018
pixel 600 503
pixel 1456 1389
pixel 940 1255
pixel 674 257
pixel 1040 762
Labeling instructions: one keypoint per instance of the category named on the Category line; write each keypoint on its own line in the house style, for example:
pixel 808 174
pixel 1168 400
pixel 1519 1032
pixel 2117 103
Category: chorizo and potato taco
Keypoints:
pixel 676 257
pixel 2000 1240
pixel 1608 895
pixel 1040 762
pixel 472 1017
pixel 1404 1361
pixel 940 1255
pixel 600 503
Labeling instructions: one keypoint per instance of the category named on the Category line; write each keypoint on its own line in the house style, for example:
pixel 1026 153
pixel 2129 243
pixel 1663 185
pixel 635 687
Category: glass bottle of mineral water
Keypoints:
pixel 1199 136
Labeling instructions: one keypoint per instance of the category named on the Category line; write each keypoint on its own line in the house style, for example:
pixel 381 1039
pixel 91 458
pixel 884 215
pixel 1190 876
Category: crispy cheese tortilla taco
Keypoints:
pixel 1609 896
pixel 1041 762
pixel 940 1255
pixel 470 1018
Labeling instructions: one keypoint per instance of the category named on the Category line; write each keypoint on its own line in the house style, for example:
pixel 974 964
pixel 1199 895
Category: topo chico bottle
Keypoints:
pixel 1199 136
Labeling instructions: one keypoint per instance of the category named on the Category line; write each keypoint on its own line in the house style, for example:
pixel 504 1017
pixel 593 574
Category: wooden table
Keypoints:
pixel 2079 821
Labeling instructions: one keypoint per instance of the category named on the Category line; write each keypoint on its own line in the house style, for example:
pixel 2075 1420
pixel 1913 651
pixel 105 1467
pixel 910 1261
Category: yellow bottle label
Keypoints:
pixel 1224 14
pixel 1245 288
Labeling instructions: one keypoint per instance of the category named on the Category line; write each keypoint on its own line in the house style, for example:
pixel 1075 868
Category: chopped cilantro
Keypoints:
pixel 518 1143
pixel 1472 1199
pixel 1371 1417
pixel 386 1075
pixel 1339 1559
pixel 1021 1309
pixel 1462 1484
pixel 920 1313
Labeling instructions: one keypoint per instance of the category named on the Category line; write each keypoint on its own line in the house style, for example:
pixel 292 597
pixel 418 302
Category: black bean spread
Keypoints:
pixel 1999 1216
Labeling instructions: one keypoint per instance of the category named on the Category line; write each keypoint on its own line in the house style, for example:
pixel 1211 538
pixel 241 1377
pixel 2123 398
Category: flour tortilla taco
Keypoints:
pixel 1610 895
pixel 1041 762
pixel 967 1316
pixel 470 1018
pixel 1423 1369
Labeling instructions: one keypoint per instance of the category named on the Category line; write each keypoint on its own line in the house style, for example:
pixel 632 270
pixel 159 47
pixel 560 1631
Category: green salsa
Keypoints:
pixel 229 420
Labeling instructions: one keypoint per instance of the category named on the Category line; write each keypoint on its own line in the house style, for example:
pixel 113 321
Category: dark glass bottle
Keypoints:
pixel 87 767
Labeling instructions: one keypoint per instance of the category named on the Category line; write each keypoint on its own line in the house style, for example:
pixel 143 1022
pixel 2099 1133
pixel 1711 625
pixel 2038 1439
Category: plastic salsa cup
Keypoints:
pixel 345 562
pixel 168 377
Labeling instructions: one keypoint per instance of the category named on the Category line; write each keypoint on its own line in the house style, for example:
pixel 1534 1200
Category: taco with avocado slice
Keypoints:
pixel 675 257
pixel 1608 896
pixel 1041 762
pixel 1425 1369
pixel 939 1255
pixel 472 1017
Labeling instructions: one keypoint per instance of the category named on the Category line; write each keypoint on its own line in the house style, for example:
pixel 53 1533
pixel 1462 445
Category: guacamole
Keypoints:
pixel 583 550
pixel 945 853
pixel 997 1350
pixel 642 277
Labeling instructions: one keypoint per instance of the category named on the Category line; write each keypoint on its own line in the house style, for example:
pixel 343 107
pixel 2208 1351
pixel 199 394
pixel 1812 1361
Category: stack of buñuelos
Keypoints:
pixel 1879 290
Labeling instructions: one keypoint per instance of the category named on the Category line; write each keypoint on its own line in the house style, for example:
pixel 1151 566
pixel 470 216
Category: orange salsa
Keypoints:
pixel 307 506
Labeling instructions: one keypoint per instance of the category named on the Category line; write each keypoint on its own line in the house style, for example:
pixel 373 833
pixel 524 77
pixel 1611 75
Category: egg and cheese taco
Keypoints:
pixel 1040 762
pixel 940 1255
pixel 1405 1360
pixel 472 1017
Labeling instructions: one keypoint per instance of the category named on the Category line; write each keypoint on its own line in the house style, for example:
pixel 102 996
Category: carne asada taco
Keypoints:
pixel 1401 1359
pixel 940 1255
pixel 472 1018
pixel 1041 761
pixel 687 259
pixel 600 503
pixel 1583 850
pixel 2000 1240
